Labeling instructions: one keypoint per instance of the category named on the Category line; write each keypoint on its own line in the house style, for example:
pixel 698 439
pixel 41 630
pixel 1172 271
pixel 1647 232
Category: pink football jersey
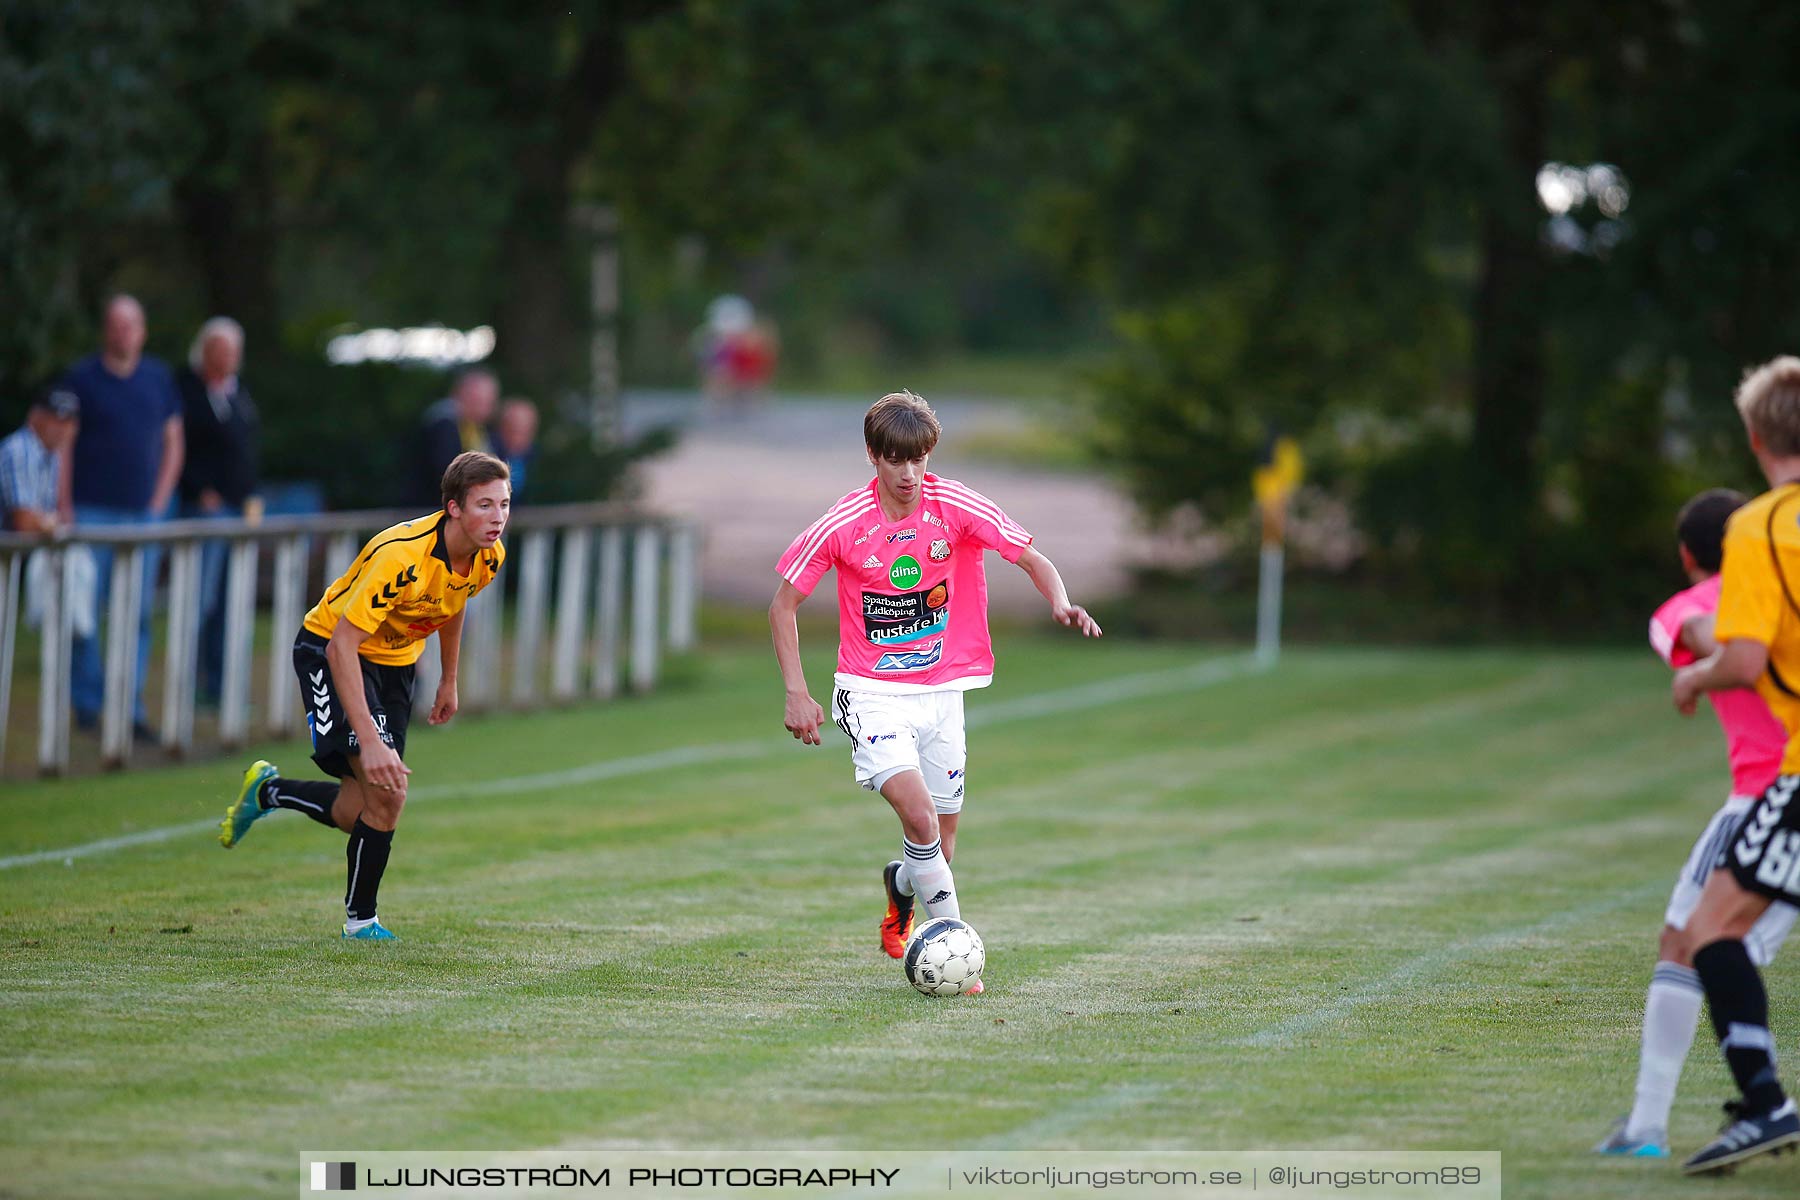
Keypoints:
pixel 1754 739
pixel 912 594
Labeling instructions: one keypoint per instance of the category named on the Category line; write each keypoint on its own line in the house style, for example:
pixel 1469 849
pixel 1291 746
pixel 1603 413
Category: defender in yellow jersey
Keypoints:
pixel 1758 633
pixel 355 657
pixel 402 589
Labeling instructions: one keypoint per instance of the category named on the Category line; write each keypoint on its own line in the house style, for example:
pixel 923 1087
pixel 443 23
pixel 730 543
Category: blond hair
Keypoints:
pixel 900 426
pixel 1769 401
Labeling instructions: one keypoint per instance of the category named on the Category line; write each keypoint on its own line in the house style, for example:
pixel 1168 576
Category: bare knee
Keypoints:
pixel 382 809
pixel 921 828
pixel 906 793
pixel 376 807
pixel 1726 912
pixel 1673 947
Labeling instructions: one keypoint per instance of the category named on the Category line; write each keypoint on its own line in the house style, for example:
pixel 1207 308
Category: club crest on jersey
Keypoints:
pixel 871 563
pixel 911 660
pixel 902 535
pixel 940 550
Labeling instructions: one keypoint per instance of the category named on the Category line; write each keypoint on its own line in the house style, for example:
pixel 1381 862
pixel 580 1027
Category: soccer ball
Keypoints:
pixel 944 957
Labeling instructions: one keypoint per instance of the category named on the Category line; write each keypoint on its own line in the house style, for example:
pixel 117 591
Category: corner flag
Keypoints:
pixel 1277 476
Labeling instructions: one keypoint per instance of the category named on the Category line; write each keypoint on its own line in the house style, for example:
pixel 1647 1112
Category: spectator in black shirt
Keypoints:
pixel 219 478
pixel 454 424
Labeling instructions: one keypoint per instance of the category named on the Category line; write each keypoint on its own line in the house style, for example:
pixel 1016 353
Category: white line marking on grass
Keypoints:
pixel 1070 699
pixel 1421 969
pixel 611 768
pixel 1060 1123
pixel 1111 691
pixel 124 842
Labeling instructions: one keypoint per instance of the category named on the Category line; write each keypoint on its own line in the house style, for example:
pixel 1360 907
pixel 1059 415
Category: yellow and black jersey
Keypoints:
pixel 401 589
pixel 1758 599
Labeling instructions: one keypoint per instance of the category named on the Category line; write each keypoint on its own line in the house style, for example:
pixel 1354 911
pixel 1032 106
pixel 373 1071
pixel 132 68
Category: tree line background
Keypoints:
pixel 1320 216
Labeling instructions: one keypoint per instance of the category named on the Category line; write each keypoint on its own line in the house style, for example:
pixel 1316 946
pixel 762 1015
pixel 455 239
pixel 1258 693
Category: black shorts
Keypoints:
pixel 389 691
pixel 1764 856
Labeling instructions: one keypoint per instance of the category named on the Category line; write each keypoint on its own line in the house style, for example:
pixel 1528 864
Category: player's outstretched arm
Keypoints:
pixel 1048 581
pixel 1697 634
pixel 1737 663
pixel 381 766
pixel 801 714
pixel 443 705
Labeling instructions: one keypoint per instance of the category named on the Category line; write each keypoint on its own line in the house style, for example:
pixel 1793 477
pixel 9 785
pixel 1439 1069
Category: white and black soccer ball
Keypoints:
pixel 944 957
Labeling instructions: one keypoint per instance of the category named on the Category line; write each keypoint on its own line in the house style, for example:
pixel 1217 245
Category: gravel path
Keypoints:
pixel 755 480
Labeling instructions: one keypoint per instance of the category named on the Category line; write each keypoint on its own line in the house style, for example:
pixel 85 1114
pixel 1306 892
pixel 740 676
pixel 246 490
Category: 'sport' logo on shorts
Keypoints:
pixel 905 572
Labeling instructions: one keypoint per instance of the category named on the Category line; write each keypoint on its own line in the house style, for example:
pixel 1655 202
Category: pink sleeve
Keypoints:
pixel 810 555
pixel 982 521
pixel 1665 629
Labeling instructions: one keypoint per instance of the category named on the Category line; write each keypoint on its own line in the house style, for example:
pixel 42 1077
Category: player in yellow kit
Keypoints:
pixel 1758 634
pixel 355 657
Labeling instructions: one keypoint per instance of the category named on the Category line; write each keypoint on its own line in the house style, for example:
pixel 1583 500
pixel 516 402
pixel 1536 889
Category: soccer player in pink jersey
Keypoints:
pixel 1681 631
pixel 912 638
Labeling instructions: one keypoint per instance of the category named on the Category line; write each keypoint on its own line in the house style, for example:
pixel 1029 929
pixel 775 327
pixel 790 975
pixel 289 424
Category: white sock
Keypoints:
pixel 924 873
pixel 352 925
pixel 1671 1014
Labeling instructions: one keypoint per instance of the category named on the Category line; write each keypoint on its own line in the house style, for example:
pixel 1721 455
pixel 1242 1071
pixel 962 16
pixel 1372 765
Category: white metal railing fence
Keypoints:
pixel 625 585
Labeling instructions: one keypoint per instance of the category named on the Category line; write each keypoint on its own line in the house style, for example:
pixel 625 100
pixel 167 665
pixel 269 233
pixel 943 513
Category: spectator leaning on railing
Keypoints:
pixel 31 463
pixel 125 462
pixel 219 473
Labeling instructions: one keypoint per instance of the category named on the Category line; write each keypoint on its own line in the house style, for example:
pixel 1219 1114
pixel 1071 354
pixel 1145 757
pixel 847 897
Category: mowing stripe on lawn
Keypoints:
pixel 1070 1118
pixel 1426 966
pixel 1071 699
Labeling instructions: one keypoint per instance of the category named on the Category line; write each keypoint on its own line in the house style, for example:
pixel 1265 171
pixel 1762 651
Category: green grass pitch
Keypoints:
pixel 1374 899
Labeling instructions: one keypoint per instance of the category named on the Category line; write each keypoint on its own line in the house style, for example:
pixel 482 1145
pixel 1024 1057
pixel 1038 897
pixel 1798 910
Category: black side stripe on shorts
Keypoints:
pixel 843 721
pixel 1715 849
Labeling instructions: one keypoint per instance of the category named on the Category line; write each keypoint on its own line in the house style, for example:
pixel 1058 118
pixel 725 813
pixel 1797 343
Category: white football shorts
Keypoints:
pixel 1771 929
pixel 921 731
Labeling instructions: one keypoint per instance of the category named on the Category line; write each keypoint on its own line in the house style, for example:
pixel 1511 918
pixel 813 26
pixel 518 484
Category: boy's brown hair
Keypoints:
pixel 900 426
pixel 471 469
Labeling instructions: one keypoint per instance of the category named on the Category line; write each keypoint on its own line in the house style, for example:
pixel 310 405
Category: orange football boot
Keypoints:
pixel 896 926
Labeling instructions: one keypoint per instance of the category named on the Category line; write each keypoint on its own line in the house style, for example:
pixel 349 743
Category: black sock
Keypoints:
pixel 366 857
pixel 1740 1015
pixel 314 797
